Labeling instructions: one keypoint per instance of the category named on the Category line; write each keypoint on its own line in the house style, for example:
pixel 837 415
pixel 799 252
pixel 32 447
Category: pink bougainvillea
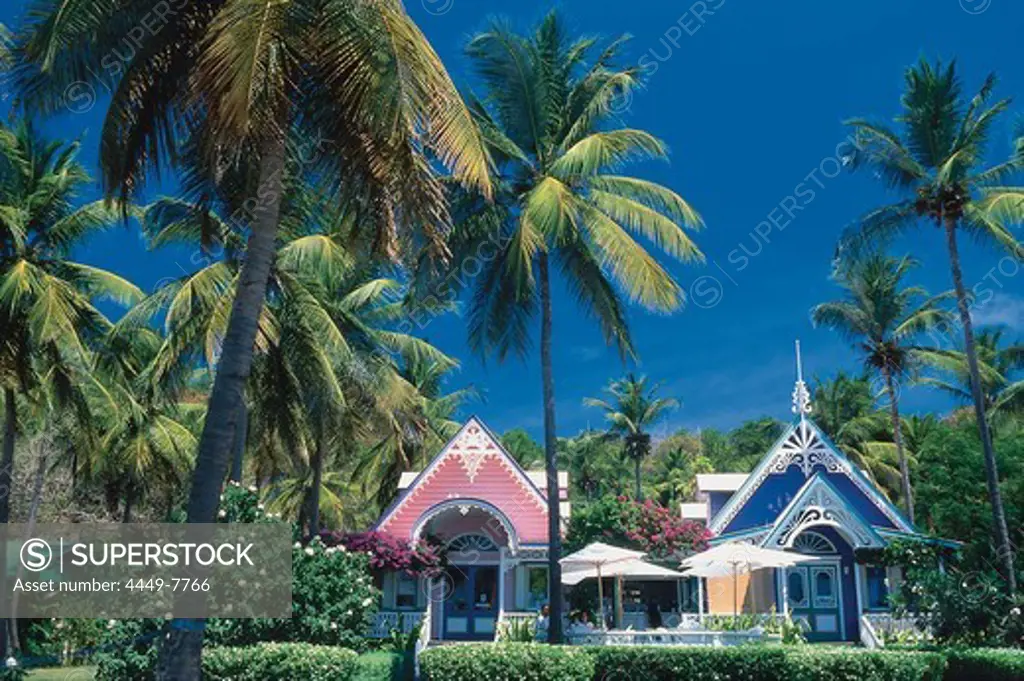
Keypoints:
pixel 388 552
pixel 646 526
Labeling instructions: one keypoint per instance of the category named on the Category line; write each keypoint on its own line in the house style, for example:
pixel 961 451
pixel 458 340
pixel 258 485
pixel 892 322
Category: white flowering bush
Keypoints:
pixel 333 602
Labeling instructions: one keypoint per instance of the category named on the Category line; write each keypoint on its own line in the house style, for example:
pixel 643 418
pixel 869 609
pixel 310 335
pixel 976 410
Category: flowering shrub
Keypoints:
pixel 242 505
pixel 333 602
pixel 955 606
pixel 387 552
pixel 645 526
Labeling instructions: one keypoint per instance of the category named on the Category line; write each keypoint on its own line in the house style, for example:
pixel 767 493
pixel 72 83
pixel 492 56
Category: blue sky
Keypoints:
pixel 750 97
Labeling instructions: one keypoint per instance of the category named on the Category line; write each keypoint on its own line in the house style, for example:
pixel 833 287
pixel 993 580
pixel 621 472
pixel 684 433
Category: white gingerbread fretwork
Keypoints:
pixel 805 449
pixel 819 504
pixel 472 447
pixel 801 395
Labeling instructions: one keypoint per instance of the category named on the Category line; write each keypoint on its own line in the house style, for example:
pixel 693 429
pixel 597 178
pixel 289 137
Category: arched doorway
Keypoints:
pixel 815 592
pixel 469 597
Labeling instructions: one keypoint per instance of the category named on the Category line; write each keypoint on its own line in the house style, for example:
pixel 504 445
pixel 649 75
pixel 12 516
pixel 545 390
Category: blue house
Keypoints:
pixel 806 496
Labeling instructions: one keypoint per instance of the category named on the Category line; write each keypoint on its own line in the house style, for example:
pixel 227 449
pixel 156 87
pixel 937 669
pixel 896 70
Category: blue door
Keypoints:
pixel 471 609
pixel 814 593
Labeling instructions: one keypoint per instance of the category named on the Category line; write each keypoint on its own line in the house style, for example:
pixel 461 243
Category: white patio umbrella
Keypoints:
pixel 635 569
pixel 597 556
pixel 737 559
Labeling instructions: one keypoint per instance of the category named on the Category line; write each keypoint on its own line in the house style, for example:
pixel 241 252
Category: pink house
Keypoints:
pixel 492 516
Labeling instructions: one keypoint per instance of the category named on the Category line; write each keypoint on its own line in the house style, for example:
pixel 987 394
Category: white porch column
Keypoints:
pixel 501 583
pixel 429 610
pixel 784 590
pixel 700 596
pixel 859 580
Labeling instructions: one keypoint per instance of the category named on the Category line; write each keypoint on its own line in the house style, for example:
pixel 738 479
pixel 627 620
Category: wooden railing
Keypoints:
pixel 868 636
pixel 715 622
pixel 883 625
pixel 422 642
pixel 510 619
pixel 385 622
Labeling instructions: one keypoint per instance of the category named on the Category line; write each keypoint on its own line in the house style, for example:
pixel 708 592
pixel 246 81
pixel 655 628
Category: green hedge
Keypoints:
pixel 506 662
pixel 383 665
pixel 984 665
pixel 534 662
pixel 279 662
pixel 763 663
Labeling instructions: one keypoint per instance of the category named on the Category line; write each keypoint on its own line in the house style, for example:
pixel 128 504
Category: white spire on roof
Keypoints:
pixel 801 395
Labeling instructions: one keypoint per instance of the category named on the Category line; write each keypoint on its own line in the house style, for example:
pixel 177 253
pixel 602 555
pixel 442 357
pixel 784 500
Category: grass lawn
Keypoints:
pixel 63 674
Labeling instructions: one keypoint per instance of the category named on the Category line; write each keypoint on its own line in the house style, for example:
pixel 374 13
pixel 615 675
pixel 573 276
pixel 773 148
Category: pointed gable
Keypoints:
pixel 803 451
pixel 472 466
pixel 819 503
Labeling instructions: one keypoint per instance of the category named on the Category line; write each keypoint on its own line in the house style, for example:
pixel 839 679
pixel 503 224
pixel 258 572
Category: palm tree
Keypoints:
pixel 547 117
pixel 937 165
pixel 676 469
pixel 1001 390
pixel 416 432
pixel 145 443
pixel 593 464
pixel 632 410
pixel 48 322
pixel 239 76
pixel 323 377
pixel 846 411
pixel 881 317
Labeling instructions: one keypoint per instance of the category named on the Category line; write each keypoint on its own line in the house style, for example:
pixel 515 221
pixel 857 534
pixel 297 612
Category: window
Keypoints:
pixel 536 586
pixel 878 587
pixel 406 586
pixel 823 584
pixel 796 586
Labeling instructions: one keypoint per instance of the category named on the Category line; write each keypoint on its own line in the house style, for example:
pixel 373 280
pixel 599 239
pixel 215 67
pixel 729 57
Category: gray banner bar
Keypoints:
pixel 146 570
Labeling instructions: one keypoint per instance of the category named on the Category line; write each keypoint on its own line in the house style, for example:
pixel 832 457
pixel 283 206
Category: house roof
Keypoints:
pixel 453 474
pixel 694 510
pixel 539 478
pixel 803 444
pixel 720 482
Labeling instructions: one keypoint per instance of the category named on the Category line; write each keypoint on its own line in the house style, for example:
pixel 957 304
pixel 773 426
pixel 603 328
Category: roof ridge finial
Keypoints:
pixel 801 395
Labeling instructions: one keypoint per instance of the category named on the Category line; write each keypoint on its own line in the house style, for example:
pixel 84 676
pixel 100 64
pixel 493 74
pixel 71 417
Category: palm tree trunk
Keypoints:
pixel 1002 535
pixel 241 433
pixel 550 459
pixel 33 514
pixel 318 475
pixel 129 501
pixel 6 479
pixel 7 463
pixel 636 472
pixel 180 654
pixel 897 435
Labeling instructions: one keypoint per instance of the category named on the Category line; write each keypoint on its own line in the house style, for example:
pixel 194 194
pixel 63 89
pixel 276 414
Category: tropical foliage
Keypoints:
pixel 330 179
pixel 560 200
pixel 936 161
pixel 632 409
pixel 883 318
pixel 644 526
